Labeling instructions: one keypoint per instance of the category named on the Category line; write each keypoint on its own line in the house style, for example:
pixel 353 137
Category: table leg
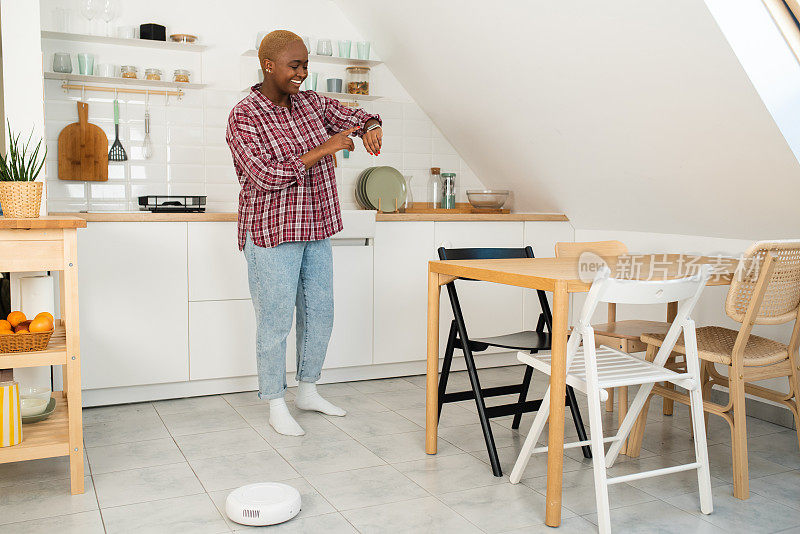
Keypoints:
pixel 431 385
pixel 558 389
pixel 669 404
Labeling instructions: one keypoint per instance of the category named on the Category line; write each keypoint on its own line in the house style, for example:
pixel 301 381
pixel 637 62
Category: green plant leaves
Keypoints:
pixel 21 163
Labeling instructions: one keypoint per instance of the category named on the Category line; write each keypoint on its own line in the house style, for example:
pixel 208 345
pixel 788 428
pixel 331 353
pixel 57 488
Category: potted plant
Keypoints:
pixel 20 194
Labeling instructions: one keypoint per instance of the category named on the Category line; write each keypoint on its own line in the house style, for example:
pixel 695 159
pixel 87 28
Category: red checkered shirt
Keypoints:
pixel 280 200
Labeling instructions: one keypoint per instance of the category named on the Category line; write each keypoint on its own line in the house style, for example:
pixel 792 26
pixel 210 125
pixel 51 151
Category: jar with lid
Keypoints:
pixel 435 187
pixel 128 71
pixel 448 190
pixel 181 75
pixel 358 80
pixel 152 74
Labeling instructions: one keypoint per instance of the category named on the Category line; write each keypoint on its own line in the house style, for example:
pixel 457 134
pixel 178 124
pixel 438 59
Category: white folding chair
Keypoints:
pixel 592 371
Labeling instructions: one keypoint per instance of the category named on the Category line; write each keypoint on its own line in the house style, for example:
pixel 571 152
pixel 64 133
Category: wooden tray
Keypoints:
pixel 461 207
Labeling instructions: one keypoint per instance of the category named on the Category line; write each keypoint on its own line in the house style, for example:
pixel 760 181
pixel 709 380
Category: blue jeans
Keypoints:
pixel 294 274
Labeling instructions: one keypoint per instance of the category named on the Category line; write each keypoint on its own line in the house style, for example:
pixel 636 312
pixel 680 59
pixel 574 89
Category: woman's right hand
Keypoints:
pixel 339 141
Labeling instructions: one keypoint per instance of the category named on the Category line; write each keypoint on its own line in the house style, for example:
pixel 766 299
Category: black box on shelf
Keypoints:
pixel 152 31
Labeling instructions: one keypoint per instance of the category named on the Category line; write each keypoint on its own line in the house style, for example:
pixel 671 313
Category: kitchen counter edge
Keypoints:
pixel 146 216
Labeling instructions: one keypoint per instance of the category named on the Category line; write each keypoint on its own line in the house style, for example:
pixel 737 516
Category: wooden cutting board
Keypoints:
pixel 83 150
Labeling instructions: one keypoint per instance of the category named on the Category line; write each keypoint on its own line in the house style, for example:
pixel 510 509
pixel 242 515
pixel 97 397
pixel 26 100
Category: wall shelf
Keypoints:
pixel 338 96
pixel 160 84
pixel 312 58
pixel 141 43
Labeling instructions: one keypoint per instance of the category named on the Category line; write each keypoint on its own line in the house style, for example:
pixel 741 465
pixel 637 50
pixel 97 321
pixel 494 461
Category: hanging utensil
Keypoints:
pixel 82 149
pixel 148 144
pixel 117 153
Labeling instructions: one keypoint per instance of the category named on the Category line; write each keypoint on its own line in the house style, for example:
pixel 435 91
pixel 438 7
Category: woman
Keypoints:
pixel 283 143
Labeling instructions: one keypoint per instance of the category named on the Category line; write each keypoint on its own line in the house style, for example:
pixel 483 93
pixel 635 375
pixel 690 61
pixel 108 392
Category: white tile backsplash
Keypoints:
pixel 191 157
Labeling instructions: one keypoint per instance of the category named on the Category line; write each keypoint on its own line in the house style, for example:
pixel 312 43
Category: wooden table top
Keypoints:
pixel 43 222
pixel 542 273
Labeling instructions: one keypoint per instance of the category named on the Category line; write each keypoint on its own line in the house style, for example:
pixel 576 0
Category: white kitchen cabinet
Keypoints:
pixel 217 268
pixel 133 303
pixel 402 252
pixel 489 309
pixel 222 339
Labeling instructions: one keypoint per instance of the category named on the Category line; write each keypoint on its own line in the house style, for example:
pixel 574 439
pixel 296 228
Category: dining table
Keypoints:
pixel 561 277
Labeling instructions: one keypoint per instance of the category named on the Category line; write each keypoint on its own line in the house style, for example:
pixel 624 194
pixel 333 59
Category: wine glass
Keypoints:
pixel 108 11
pixel 88 8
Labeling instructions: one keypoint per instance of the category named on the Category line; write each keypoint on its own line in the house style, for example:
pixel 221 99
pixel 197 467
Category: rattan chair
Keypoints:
pixel 765 290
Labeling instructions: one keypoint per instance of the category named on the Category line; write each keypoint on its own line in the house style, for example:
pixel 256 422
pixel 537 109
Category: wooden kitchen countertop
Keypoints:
pixel 146 216
pixel 44 222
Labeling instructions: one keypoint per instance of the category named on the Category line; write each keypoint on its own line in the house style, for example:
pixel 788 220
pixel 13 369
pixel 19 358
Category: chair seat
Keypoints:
pixel 630 329
pixel 614 369
pixel 715 344
pixel 527 340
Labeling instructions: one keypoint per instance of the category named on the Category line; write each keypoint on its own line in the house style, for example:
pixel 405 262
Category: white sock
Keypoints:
pixel 308 399
pixel 281 420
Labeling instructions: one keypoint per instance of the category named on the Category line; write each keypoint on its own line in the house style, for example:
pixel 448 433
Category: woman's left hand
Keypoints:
pixel 372 141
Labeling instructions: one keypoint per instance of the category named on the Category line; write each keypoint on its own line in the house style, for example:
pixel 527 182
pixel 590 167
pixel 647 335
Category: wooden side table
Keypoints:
pixel 50 244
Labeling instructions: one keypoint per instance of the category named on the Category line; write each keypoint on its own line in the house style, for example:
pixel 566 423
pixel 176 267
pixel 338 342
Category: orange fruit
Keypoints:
pixel 21 330
pixel 46 314
pixel 16 317
pixel 41 324
pixel 5 325
pixel 5 332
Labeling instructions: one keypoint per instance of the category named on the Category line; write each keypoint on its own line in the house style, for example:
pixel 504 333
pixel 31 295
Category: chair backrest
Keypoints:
pixel 566 249
pixel 686 291
pixel 781 291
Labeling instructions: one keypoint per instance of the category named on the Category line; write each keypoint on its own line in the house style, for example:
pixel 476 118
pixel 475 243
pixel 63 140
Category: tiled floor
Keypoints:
pixel 168 466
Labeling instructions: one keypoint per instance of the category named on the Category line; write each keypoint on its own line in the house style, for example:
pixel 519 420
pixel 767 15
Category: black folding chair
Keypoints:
pixel 533 341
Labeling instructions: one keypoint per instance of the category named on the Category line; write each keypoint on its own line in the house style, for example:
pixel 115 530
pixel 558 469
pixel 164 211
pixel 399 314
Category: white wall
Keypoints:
pixel 622 114
pixel 190 155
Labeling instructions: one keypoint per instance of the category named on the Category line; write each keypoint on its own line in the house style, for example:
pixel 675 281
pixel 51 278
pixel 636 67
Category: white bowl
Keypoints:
pixel 487 198
pixel 33 401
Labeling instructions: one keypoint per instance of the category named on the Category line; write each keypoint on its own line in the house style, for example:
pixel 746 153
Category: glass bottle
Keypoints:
pixel 409 195
pixel 448 190
pixel 435 187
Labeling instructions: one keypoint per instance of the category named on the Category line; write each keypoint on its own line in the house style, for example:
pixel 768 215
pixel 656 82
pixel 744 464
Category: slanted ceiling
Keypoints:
pixel 623 114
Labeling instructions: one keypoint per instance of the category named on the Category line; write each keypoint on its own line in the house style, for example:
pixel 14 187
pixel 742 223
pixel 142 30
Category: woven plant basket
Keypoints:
pixel 25 342
pixel 20 199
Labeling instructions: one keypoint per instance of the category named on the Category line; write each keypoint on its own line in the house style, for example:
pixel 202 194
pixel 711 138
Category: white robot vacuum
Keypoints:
pixel 262 504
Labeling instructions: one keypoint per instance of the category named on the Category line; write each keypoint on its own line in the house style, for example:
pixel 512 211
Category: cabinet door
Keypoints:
pixel 217 268
pixel 133 295
pixel 489 309
pixel 402 252
pixel 222 339
pixel 543 236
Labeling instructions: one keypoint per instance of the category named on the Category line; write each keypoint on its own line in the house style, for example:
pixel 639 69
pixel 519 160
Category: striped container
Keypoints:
pixel 10 414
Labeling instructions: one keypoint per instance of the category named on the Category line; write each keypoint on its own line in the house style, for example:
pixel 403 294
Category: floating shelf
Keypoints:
pixel 122 81
pixel 141 43
pixel 338 96
pixel 330 59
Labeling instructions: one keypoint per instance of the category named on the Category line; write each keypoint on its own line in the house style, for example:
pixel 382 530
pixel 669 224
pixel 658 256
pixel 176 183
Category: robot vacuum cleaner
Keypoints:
pixel 262 504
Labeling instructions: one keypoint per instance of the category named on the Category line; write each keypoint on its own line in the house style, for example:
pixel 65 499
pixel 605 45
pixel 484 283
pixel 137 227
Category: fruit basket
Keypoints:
pixel 25 341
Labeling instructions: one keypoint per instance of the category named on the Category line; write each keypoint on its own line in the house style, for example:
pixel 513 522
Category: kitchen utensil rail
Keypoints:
pixel 81 87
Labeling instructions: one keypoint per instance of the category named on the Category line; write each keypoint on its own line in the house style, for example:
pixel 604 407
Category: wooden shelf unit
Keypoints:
pixel 50 244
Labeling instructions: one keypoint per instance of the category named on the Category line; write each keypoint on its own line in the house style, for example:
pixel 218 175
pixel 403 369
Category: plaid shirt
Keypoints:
pixel 280 200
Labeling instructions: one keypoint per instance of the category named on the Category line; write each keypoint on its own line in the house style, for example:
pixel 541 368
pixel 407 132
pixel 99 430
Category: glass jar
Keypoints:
pixel 128 71
pixel 435 187
pixel 181 75
pixel 448 190
pixel 358 80
pixel 152 74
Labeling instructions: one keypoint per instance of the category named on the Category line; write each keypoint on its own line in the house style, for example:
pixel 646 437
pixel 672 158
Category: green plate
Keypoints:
pixel 51 407
pixel 386 184
pixel 360 193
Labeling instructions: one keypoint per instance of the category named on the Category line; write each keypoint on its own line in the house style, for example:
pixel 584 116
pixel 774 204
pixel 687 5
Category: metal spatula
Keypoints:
pixel 117 153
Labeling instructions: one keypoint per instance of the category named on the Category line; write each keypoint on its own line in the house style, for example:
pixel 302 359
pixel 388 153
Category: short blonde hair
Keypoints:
pixel 274 43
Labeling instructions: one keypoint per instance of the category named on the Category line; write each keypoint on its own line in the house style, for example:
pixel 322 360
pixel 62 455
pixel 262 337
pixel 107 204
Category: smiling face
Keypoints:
pixel 289 69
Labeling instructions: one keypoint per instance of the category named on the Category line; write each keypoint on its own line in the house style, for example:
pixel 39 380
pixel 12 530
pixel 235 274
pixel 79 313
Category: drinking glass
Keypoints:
pixel 324 47
pixel 61 19
pixel 363 50
pixel 334 85
pixel 88 8
pixel 311 81
pixel 62 62
pixel 307 41
pixel 344 49
pixel 86 64
pixel 108 10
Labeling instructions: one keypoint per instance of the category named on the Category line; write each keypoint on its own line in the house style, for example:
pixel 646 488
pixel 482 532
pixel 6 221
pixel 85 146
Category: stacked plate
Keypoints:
pixel 381 188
